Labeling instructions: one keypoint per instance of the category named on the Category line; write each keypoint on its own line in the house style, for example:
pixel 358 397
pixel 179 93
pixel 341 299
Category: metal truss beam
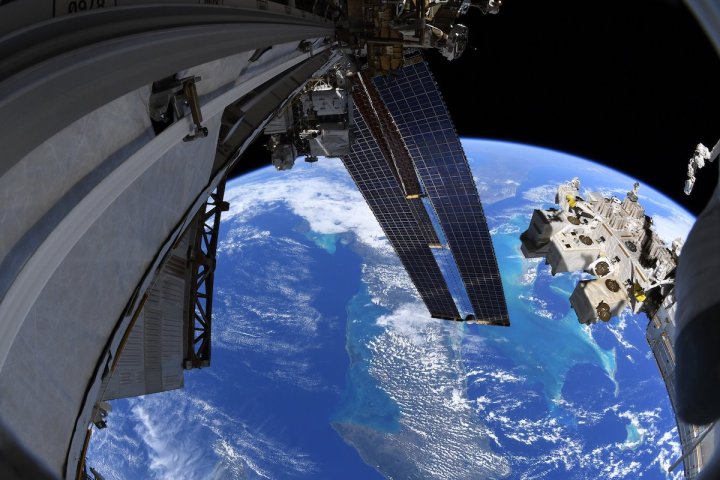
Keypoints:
pixel 295 72
pixel 201 271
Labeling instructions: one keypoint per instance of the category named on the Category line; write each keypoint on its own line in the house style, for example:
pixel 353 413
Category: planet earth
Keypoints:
pixel 327 365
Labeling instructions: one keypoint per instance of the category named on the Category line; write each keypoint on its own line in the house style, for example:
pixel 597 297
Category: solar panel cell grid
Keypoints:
pixel 379 186
pixel 413 99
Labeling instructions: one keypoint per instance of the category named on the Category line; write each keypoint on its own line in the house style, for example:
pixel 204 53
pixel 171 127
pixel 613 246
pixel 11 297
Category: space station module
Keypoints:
pixel 316 122
pixel 625 265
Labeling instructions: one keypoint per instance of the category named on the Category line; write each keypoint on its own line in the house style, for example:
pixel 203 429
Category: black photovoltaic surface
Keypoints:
pixel 413 98
pixel 375 180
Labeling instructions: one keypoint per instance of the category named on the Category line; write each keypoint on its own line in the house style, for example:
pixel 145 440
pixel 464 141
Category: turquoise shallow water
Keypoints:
pixel 363 402
pixel 324 240
pixel 597 387
pixel 544 345
pixel 633 436
pixel 550 356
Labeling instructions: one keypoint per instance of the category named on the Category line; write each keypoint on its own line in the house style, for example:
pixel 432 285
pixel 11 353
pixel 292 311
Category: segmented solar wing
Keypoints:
pixel 415 103
pixel 397 215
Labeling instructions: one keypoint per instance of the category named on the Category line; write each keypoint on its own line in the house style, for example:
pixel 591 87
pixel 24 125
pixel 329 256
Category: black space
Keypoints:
pixel 632 85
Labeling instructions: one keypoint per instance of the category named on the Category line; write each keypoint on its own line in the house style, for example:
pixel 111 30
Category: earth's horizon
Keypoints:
pixel 327 365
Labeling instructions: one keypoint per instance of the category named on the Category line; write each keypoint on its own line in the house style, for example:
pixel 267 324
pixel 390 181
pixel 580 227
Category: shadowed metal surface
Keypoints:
pixel 93 243
pixel 68 76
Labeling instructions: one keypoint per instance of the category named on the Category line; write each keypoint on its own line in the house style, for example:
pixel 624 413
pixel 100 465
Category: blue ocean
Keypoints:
pixel 300 417
pixel 306 382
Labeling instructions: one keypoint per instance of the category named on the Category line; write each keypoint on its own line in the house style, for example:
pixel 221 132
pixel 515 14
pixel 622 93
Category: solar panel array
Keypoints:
pixel 383 128
pixel 414 100
pixel 397 216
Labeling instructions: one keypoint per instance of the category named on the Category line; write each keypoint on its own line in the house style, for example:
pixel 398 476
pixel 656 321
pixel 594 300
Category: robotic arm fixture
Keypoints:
pixel 701 155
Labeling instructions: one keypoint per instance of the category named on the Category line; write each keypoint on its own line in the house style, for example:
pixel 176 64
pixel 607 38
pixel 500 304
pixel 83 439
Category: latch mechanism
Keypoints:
pixel 169 100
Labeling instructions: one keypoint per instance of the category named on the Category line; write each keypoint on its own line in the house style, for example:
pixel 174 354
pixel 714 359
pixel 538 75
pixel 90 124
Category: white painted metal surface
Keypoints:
pixel 152 357
pixel 36 273
pixel 60 310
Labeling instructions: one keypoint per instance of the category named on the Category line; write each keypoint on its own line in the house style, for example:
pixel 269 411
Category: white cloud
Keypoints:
pixel 543 194
pixel 330 207
pixel 493 191
pixel 496 376
pixel 618 328
pixel 268 293
pixel 505 229
pixel 240 236
pixel 387 282
pixel 173 453
pixel 414 361
pixel 408 321
pixel 173 430
pixel 530 270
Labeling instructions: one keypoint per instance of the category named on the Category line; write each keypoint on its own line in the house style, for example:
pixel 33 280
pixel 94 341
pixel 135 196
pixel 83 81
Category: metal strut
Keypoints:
pixel 201 269
pixel 191 96
pixel 168 101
